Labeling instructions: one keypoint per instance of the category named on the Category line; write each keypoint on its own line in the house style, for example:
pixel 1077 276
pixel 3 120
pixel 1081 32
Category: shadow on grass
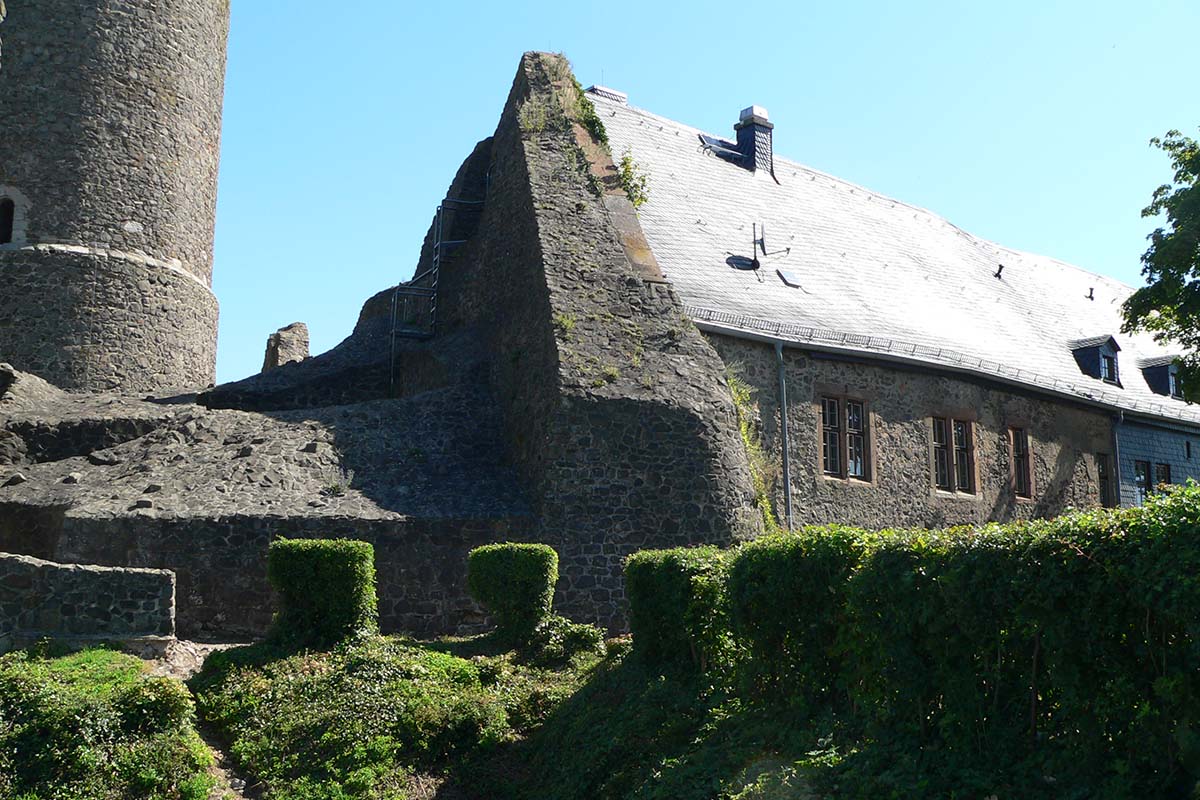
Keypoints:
pixel 631 733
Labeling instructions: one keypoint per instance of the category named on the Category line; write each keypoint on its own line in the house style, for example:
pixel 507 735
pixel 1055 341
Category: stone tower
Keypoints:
pixel 110 120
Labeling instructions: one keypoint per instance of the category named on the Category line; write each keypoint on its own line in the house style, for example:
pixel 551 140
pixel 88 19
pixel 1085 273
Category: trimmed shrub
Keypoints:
pixel 326 590
pixel 787 605
pixel 557 640
pixel 154 705
pixel 515 583
pixel 676 606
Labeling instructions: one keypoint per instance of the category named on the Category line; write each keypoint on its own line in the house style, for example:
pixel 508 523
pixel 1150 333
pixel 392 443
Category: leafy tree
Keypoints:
pixel 1169 306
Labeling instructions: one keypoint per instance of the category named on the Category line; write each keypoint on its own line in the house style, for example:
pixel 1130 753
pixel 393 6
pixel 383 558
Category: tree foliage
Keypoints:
pixel 1169 305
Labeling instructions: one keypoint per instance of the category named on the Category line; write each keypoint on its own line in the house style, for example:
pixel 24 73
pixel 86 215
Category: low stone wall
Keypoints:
pixel 222 570
pixel 42 599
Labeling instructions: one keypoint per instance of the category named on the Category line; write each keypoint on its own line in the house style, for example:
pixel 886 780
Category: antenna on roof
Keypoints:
pixel 1000 272
pixel 1091 293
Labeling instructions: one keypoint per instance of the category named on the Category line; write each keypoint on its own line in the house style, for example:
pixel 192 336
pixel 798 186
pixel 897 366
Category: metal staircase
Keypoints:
pixel 414 302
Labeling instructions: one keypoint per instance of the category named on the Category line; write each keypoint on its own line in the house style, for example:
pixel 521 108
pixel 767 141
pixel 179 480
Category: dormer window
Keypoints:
pixel 1097 357
pixel 1174 386
pixel 1108 369
pixel 1162 376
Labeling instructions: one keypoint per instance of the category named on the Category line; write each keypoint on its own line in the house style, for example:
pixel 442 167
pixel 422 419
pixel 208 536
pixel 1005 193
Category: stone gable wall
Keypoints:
pixel 616 409
pixel 42 599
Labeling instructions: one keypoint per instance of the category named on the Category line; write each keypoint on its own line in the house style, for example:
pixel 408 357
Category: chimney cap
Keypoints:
pixel 754 115
pixel 754 111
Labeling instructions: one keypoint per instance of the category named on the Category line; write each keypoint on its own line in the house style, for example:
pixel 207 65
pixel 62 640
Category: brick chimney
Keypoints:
pixel 754 139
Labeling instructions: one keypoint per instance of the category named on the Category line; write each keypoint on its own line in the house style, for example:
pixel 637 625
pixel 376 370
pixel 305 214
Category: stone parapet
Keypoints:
pixel 74 602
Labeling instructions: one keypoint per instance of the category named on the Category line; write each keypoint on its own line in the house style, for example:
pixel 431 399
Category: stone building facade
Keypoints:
pixel 557 370
pixel 109 155
pixel 899 486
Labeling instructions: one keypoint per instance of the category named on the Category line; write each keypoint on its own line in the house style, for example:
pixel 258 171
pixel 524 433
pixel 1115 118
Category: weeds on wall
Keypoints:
pixel 634 181
pixel 585 113
pixel 532 116
pixel 762 471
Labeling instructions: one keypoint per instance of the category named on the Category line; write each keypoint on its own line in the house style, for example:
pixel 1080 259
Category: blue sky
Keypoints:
pixel 1024 122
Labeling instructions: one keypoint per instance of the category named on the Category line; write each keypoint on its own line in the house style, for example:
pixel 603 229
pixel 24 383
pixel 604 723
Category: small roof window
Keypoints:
pixel 1097 357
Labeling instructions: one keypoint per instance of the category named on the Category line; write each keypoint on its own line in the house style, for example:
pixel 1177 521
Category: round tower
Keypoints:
pixel 110 122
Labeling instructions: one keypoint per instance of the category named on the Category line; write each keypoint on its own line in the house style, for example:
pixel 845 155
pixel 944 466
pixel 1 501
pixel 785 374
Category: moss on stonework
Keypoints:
pixel 762 472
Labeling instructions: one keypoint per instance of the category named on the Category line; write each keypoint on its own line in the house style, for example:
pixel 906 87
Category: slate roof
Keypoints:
pixel 873 275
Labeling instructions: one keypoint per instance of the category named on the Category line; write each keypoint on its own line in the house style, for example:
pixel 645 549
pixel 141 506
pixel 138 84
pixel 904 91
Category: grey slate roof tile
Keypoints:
pixel 875 275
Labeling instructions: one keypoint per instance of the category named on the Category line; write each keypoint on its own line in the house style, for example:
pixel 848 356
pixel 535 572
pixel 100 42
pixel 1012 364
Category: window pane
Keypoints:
pixel 1141 473
pixel 830 418
pixel 1162 474
pixel 832 453
pixel 855 456
pixel 941 455
pixel 854 416
pixel 1021 464
pixel 941 462
pixel 1104 470
pixel 962 456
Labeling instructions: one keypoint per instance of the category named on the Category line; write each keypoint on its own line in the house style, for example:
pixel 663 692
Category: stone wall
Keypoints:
pixel 1065 439
pixel 112 118
pixel 99 320
pixel 286 345
pixel 220 564
pixel 42 599
pixel 616 409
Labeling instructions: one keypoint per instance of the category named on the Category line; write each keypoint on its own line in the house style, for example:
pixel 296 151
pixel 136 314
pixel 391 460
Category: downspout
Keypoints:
pixel 783 426
pixel 1118 418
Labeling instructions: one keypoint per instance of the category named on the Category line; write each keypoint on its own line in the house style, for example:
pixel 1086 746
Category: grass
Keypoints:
pixel 376 714
pixel 93 726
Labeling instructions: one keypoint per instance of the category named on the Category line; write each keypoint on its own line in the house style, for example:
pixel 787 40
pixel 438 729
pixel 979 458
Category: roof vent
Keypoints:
pixel 754 139
pixel 609 94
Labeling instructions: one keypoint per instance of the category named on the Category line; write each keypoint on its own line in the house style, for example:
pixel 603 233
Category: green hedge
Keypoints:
pixel 326 590
pixel 676 606
pixel 787 606
pixel 515 583
pixel 1067 647
pixel 1055 658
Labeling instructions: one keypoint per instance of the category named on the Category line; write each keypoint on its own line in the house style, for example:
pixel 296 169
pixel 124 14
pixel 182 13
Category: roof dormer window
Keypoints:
pixel 1108 369
pixel 1162 375
pixel 1097 357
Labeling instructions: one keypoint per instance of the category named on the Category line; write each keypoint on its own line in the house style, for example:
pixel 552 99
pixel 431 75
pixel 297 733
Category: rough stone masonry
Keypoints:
pixel 83 603
pixel 564 398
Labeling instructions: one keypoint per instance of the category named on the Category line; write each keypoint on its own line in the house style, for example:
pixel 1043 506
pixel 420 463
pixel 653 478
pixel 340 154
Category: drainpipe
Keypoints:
pixel 783 426
pixel 1118 418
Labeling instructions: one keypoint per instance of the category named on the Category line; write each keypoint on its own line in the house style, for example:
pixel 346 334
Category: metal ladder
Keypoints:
pixel 422 290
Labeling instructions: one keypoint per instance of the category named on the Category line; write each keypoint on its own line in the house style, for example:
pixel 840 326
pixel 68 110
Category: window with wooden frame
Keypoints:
pixel 1108 497
pixel 1141 478
pixel 845 438
pixel 1162 475
pixel 953 455
pixel 1173 384
pixel 1022 463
